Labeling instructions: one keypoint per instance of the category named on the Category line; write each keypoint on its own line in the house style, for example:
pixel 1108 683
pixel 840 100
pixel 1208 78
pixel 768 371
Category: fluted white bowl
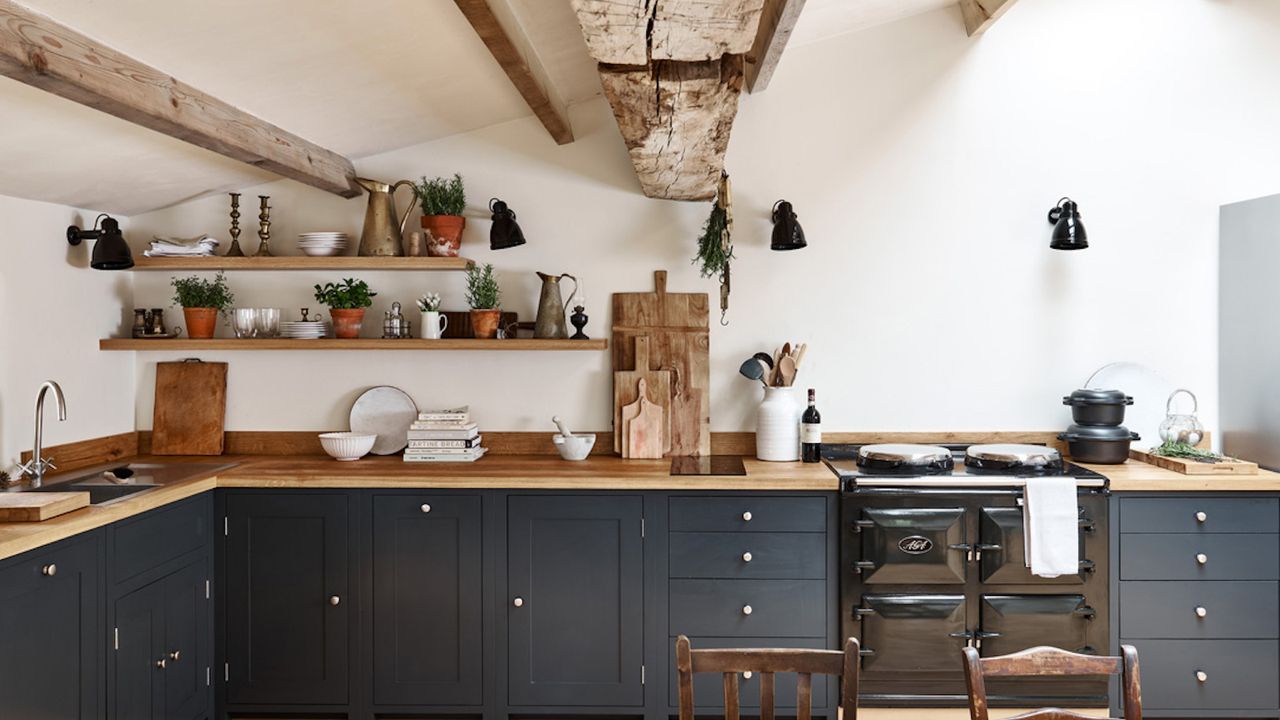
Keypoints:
pixel 347 446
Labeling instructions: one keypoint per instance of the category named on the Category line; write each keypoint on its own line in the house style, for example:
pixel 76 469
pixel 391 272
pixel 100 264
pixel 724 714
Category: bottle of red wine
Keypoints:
pixel 811 432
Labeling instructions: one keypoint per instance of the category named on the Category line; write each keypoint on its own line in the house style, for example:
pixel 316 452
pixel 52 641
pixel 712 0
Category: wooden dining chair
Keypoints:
pixel 1048 662
pixel 767 662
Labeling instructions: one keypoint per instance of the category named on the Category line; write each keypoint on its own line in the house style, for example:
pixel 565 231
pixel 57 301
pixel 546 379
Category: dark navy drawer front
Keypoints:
pixel 749 513
pixel 1239 674
pixel 747 555
pixel 1183 515
pixel 154 538
pixel 719 608
pixel 1162 556
pixel 708 688
pixel 1200 610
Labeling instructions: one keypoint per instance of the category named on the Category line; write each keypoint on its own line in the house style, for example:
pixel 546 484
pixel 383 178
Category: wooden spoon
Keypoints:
pixel 787 370
pixel 800 353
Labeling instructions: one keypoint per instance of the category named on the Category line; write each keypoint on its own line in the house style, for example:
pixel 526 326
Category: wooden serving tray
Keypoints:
pixel 38 506
pixel 1191 467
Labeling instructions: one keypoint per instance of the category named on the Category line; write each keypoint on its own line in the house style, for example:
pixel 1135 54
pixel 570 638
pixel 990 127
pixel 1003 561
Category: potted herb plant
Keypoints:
pixel 443 201
pixel 347 301
pixel 484 296
pixel 202 301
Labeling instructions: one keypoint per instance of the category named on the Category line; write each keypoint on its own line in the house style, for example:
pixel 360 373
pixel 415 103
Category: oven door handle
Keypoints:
pixel 860 565
pixel 1085 612
pixel 980 635
pixel 860 525
pixel 1087 566
pixel 966 635
pixel 1087 525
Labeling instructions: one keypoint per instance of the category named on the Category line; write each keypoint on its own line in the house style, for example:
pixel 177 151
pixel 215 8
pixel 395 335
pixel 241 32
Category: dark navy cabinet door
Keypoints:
pixel 287 605
pixel 51 633
pixel 137 682
pixel 185 650
pixel 426 600
pixel 575 605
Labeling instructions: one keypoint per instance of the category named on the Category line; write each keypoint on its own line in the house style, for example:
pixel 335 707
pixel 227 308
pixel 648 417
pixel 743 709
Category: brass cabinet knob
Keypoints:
pixel 175 655
pixel 1201 516
pixel 49 570
pixel 518 602
pixel 746 556
pixel 335 600
pixel 746 609
pixel 746 516
pixel 426 508
pixel 1201 612
pixel 1202 676
pixel 1202 558
pixel 161 663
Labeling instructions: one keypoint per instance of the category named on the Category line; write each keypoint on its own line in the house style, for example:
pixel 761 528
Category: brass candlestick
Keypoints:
pixel 264 227
pixel 234 250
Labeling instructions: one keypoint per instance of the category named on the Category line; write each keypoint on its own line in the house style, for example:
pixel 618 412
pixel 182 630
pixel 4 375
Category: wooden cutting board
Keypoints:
pixel 625 383
pixel 679 330
pixel 190 408
pixel 1191 467
pixel 643 427
pixel 38 506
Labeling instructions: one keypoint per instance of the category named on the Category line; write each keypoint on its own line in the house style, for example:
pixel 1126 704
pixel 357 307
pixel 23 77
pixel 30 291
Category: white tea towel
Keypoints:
pixel 1051 528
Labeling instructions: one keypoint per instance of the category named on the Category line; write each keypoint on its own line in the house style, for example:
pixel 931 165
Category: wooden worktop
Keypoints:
pixel 1135 476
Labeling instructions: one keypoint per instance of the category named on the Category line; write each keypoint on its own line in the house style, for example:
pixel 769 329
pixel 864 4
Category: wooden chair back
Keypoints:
pixel 766 662
pixel 1050 661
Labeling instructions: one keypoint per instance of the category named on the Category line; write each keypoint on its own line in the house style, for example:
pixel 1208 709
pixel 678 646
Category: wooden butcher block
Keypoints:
pixel 678 326
pixel 190 408
pixel 38 506
pixel 625 383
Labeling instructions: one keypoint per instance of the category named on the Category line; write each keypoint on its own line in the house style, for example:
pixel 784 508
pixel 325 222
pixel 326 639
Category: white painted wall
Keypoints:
pixel 53 309
pixel 921 163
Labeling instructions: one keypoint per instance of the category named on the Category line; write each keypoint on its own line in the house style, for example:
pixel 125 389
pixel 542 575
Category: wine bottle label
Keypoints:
pixel 810 432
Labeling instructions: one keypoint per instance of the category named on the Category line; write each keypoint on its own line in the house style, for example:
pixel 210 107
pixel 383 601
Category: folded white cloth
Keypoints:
pixel 173 247
pixel 1051 530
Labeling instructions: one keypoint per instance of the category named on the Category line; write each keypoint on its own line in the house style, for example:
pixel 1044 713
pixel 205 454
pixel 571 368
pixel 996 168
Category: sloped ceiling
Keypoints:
pixel 359 78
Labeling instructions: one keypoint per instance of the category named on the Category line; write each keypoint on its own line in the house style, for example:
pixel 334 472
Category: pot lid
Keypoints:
pixel 903 454
pixel 1012 454
pixel 1098 432
pixel 1094 396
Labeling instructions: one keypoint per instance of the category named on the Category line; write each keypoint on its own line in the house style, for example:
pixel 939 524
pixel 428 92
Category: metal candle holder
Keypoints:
pixel 234 250
pixel 264 227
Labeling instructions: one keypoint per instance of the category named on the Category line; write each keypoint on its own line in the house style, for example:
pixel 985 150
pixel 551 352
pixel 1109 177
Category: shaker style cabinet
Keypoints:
pixel 288 610
pixel 426 619
pixel 575 600
pixel 51 632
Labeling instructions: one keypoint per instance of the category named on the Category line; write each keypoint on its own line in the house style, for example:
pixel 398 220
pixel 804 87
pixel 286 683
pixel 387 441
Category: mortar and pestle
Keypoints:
pixel 572 447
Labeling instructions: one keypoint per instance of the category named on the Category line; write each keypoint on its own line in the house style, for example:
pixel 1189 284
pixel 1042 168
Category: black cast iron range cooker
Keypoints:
pixel 932 560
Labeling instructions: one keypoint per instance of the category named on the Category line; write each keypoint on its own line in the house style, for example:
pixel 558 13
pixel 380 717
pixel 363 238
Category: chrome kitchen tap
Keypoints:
pixel 35 467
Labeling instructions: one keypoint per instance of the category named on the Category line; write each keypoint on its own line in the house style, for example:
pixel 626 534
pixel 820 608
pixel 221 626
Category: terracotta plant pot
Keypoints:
pixel 346 323
pixel 200 322
pixel 484 323
pixel 443 234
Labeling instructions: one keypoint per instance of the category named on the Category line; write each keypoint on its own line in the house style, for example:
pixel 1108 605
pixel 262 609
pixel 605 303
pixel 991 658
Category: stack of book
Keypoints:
pixel 444 436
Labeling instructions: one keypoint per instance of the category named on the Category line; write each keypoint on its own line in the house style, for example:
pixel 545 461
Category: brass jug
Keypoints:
pixel 383 234
pixel 550 322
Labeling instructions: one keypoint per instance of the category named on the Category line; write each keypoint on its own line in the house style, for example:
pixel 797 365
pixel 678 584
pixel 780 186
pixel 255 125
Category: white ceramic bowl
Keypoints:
pixel 347 446
pixel 321 251
pixel 575 447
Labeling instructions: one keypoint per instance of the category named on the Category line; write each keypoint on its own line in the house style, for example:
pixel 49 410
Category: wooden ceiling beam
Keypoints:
pixel 38 51
pixel 633 32
pixel 496 24
pixel 980 14
pixel 777 20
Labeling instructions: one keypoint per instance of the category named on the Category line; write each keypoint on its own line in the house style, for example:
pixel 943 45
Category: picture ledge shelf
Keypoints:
pixel 300 262
pixel 215 344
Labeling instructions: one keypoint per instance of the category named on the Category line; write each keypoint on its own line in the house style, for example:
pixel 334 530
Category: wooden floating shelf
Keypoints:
pixel 219 344
pixel 300 262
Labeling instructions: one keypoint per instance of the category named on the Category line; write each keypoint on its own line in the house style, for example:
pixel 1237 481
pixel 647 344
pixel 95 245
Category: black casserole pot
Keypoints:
pixel 1097 407
pixel 1105 445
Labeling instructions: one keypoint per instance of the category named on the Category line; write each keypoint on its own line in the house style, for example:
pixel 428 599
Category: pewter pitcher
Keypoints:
pixel 383 234
pixel 551 308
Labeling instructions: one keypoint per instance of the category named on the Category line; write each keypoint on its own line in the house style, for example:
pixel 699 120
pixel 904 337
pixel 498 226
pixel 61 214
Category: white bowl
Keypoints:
pixel 347 446
pixel 321 252
pixel 574 447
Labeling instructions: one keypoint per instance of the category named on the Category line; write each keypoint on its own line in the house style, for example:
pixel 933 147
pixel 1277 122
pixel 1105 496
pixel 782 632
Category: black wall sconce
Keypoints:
pixel 787 233
pixel 506 232
pixel 111 251
pixel 1068 231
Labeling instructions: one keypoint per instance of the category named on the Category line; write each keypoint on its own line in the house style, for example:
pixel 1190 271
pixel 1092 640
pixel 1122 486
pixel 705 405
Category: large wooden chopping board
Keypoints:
pixel 190 408
pixel 38 506
pixel 625 384
pixel 679 330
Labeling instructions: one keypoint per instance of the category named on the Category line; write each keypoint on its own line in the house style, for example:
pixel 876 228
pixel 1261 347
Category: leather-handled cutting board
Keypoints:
pixel 190 408
pixel 679 330
pixel 38 506
pixel 625 383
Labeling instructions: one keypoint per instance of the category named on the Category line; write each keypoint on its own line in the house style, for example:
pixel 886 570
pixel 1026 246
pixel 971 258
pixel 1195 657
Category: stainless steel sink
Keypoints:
pixel 104 485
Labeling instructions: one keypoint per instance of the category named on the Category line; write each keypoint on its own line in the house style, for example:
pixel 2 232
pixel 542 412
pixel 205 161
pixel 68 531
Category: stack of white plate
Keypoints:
pixel 299 330
pixel 322 244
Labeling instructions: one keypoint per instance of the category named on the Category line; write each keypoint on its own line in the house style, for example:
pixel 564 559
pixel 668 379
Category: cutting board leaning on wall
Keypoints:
pixel 190 408
pixel 679 330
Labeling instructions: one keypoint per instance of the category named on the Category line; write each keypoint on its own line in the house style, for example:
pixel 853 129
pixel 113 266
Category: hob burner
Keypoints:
pixel 905 459
pixel 1008 458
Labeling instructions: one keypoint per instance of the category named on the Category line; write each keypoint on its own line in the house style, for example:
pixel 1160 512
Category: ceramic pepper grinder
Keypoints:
pixel 264 227
pixel 579 320
pixel 234 250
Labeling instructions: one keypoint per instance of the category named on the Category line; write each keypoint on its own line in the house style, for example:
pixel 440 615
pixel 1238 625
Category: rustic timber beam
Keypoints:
pixel 38 51
pixel 980 14
pixel 777 20
pixel 496 25
pixel 633 32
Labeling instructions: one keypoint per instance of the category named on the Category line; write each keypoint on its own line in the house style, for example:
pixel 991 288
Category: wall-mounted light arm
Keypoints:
pixel 111 251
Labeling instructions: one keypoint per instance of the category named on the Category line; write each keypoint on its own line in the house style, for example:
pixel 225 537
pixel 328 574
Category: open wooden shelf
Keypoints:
pixel 219 344
pixel 300 262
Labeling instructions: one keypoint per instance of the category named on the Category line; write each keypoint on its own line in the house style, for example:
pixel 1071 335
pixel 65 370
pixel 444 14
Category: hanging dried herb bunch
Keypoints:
pixel 715 248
